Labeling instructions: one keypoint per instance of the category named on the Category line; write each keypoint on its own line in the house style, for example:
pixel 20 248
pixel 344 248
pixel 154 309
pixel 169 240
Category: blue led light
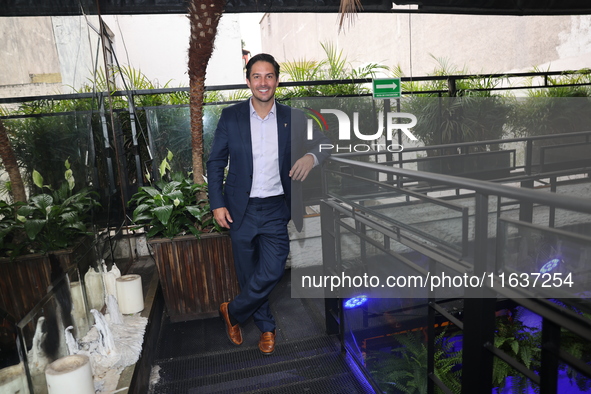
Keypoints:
pixel 355 302
pixel 549 266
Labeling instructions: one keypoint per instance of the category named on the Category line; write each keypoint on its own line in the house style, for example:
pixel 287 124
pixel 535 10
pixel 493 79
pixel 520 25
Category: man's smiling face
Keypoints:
pixel 262 81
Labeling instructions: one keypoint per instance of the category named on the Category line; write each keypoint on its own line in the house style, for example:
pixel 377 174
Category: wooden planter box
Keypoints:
pixel 196 275
pixel 24 281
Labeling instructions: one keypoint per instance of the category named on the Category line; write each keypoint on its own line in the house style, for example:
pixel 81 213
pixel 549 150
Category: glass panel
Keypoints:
pixel 406 212
pixel 45 143
pixel 42 332
pixel 571 380
pixel 547 261
pixel 170 129
pixel 13 378
pixel 368 269
pixel 24 281
pixel 358 132
pixel 387 337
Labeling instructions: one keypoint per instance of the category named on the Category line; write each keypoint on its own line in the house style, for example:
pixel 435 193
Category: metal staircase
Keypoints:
pixel 196 356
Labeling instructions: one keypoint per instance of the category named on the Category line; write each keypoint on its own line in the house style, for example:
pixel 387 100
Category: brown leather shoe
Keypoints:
pixel 234 332
pixel 267 343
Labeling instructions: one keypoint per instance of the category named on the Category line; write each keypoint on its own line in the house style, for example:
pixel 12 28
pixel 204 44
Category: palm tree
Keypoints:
pixel 204 16
pixel 11 165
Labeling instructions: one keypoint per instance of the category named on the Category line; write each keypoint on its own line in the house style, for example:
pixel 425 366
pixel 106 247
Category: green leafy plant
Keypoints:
pixel 170 207
pixel 521 343
pixel 48 221
pixel 471 113
pixel 581 349
pixel 562 107
pixel 7 225
pixel 334 67
pixel 577 347
pixel 404 369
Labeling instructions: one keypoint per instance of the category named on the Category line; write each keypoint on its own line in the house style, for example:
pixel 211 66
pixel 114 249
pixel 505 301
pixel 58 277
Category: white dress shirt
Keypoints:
pixel 266 181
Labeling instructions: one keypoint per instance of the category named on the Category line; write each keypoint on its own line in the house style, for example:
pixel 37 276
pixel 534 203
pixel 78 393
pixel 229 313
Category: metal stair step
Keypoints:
pixel 315 360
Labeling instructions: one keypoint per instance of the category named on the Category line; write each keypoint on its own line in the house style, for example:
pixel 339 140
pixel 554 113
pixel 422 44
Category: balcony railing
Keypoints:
pixel 492 241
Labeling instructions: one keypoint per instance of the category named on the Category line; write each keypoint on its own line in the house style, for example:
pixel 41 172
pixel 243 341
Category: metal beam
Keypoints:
pixel 135 7
pixel 131 7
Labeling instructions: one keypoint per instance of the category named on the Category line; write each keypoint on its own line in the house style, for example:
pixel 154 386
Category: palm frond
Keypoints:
pixel 348 9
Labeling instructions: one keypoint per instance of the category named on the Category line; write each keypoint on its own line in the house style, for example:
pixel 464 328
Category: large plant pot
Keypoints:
pixel 25 280
pixel 196 275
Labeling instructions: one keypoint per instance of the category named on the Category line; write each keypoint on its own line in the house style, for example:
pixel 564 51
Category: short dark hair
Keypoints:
pixel 262 57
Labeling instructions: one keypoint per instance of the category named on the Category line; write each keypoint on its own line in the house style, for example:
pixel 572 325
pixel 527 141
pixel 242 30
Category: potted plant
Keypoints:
pixel 193 257
pixel 553 111
pixel 41 239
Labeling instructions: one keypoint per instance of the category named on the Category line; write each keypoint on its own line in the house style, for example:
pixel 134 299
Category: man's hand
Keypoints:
pixel 222 216
pixel 302 168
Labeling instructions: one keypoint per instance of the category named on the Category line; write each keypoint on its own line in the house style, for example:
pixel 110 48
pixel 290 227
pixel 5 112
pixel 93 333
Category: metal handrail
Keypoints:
pixel 486 188
pixel 479 309
pixel 11 100
pixel 469 144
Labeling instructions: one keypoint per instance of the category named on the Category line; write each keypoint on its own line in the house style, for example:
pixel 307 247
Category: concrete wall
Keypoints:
pixel 45 55
pixel 52 55
pixel 76 41
pixel 158 45
pixel 478 43
pixel 29 56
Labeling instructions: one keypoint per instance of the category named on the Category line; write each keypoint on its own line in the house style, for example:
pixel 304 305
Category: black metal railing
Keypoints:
pixel 110 156
pixel 379 221
pixel 130 148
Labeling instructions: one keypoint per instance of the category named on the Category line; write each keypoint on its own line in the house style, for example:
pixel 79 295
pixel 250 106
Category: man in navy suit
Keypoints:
pixel 270 155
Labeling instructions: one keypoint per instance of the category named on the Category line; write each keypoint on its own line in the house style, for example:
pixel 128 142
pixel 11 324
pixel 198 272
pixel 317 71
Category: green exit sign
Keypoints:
pixel 386 88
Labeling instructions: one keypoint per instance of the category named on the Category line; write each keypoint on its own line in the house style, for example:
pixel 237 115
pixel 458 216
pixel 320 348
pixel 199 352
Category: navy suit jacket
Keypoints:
pixel 232 141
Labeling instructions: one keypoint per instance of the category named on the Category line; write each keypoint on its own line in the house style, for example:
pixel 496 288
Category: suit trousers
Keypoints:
pixel 260 247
